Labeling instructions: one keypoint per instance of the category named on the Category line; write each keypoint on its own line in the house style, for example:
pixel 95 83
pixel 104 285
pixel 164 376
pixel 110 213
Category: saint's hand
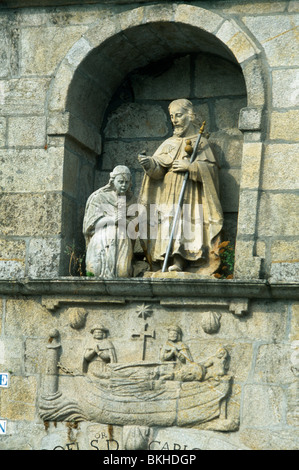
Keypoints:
pixel 144 161
pixel 180 165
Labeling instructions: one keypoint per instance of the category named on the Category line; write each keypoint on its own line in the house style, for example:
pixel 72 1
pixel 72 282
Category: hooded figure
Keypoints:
pixel 201 217
pixel 109 249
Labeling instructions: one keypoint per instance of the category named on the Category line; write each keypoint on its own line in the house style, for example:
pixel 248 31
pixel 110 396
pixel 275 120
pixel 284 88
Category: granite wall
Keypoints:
pixel 84 87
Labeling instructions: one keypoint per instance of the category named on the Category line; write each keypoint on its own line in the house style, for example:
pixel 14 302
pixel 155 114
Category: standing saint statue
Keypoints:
pixel 109 251
pixel 201 219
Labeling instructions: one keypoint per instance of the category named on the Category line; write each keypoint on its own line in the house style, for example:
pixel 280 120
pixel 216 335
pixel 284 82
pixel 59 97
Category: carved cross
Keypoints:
pixel 143 335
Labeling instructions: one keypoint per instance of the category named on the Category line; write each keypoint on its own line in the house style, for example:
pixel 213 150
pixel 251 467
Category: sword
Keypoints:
pixel 181 197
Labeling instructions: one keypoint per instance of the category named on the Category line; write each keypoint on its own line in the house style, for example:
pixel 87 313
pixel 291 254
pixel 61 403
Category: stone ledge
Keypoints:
pixel 59 3
pixel 152 288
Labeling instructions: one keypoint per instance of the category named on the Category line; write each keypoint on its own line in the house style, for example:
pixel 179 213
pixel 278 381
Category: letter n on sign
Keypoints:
pixel 2 426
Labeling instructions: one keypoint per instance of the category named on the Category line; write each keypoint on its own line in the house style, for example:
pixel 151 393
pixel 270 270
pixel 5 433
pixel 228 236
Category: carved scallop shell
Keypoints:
pixel 210 322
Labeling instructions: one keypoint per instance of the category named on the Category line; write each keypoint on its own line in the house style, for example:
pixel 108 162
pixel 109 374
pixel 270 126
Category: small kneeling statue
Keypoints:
pixel 109 249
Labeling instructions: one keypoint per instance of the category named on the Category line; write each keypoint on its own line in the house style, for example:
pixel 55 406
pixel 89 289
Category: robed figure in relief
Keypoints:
pixel 201 219
pixel 109 250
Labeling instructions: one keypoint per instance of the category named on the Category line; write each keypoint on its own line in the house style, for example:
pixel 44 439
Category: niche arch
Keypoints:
pixel 97 65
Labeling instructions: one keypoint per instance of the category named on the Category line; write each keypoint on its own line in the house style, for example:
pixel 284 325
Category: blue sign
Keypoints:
pixel 2 426
pixel 4 380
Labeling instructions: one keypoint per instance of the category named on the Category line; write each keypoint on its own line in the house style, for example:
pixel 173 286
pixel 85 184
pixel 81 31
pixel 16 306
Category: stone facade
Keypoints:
pixel 86 86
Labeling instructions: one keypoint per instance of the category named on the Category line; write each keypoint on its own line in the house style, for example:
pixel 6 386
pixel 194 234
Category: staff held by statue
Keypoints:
pixel 181 198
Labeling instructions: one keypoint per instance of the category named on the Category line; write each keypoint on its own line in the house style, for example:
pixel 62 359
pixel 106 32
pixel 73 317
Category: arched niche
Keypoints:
pixel 86 96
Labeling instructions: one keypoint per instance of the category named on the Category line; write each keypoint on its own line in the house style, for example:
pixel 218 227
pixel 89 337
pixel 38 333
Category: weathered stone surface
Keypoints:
pixel 229 189
pixel 278 37
pixel 28 215
pixel 165 86
pixel 273 365
pixel 284 126
pixel 285 88
pixel 284 250
pixel 22 316
pixel 263 405
pixel 43 193
pixel 18 402
pixel 2 132
pixel 251 162
pixel 217 78
pixel 44 257
pixel 23 96
pixel 250 119
pixel 236 40
pixel 227 113
pixel 27 131
pixel 12 258
pixel 274 210
pixel 284 271
pixel 39 170
pixel 135 120
pixel 280 169
pixel 294 334
pixel 51 45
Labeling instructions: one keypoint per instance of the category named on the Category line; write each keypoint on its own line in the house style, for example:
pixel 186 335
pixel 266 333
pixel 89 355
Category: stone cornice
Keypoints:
pixel 151 288
pixel 62 3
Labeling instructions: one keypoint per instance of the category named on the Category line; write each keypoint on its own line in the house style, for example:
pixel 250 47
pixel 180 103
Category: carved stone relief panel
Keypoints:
pixel 141 366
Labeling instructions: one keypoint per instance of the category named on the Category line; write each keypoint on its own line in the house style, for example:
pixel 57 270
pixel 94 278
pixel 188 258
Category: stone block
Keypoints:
pixel 285 250
pixel 60 87
pixel 199 17
pixel 293 6
pixel 236 41
pixel 228 149
pixel 6 51
pixel 256 8
pixel 278 214
pixel 251 162
pixel 78 52
pixel 254 82
pixel 27 131
pixel 44 258
pixel 44 47
pixel 131 18
pixel 273 364
pixel 269 439
pixel 227 113
pixel 11 355
pixel 23 316
pixel 24 95
pixel 294 333
pixel 2 132
pixel 30 215
pixel 285 126
pixel 165 86
pixel 248 204
pixel 229 182
pixel 250 119
pixel 280 167
pixel 284 272
pixel 292 404
pixel 31 170
pixel 277 35
pixel 137 120
pixel 247 268
pixel 18 402
pixel 214 78
pixel 262 406
pixel 106 28
pixel 285 88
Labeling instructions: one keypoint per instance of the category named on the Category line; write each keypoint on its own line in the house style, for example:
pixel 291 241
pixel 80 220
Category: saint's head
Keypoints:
pixel 182 117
